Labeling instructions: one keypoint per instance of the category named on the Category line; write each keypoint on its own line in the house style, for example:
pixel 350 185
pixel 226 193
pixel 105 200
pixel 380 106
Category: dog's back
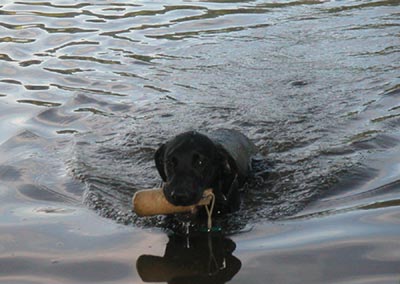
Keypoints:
pixel 238 146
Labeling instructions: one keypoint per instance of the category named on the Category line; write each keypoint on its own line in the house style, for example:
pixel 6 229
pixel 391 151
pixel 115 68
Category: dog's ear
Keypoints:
pixel 227 162
pixel 159 159
pixel 229 186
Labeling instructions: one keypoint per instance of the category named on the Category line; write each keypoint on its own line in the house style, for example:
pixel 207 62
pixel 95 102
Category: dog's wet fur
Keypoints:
pixel 191 162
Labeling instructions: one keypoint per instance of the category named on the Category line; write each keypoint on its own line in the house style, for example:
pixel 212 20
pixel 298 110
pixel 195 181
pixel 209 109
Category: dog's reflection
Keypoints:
pixel 204 258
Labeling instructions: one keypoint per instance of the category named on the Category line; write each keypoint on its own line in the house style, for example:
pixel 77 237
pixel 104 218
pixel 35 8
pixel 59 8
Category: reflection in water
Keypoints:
pixel 203 258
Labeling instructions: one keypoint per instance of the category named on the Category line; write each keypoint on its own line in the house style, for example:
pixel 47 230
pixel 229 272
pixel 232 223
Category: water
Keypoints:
pixel 88 90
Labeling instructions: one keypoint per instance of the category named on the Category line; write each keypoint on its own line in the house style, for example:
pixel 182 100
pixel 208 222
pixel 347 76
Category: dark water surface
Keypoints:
pixel 88 90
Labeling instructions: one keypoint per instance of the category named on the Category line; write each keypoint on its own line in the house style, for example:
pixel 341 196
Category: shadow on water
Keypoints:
pixel 206 258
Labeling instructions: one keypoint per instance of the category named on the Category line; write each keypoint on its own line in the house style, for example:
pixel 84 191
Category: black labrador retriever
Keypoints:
pixel 192 162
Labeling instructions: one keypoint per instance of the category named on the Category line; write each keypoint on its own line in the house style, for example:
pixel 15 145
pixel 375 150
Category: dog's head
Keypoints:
pixel 189 164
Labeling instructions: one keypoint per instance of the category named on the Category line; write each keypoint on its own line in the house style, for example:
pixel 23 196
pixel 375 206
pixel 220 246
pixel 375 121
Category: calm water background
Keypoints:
pixel 88 90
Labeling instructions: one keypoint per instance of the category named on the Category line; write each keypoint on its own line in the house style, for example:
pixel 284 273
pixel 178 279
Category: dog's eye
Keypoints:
pixel 172 162
pixel 198 161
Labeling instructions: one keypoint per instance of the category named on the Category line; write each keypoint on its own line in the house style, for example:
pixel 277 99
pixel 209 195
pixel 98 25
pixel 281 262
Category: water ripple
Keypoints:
pixel 304 79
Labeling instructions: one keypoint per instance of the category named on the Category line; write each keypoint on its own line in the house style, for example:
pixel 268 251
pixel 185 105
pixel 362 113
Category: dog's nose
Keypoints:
pixel 180 197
